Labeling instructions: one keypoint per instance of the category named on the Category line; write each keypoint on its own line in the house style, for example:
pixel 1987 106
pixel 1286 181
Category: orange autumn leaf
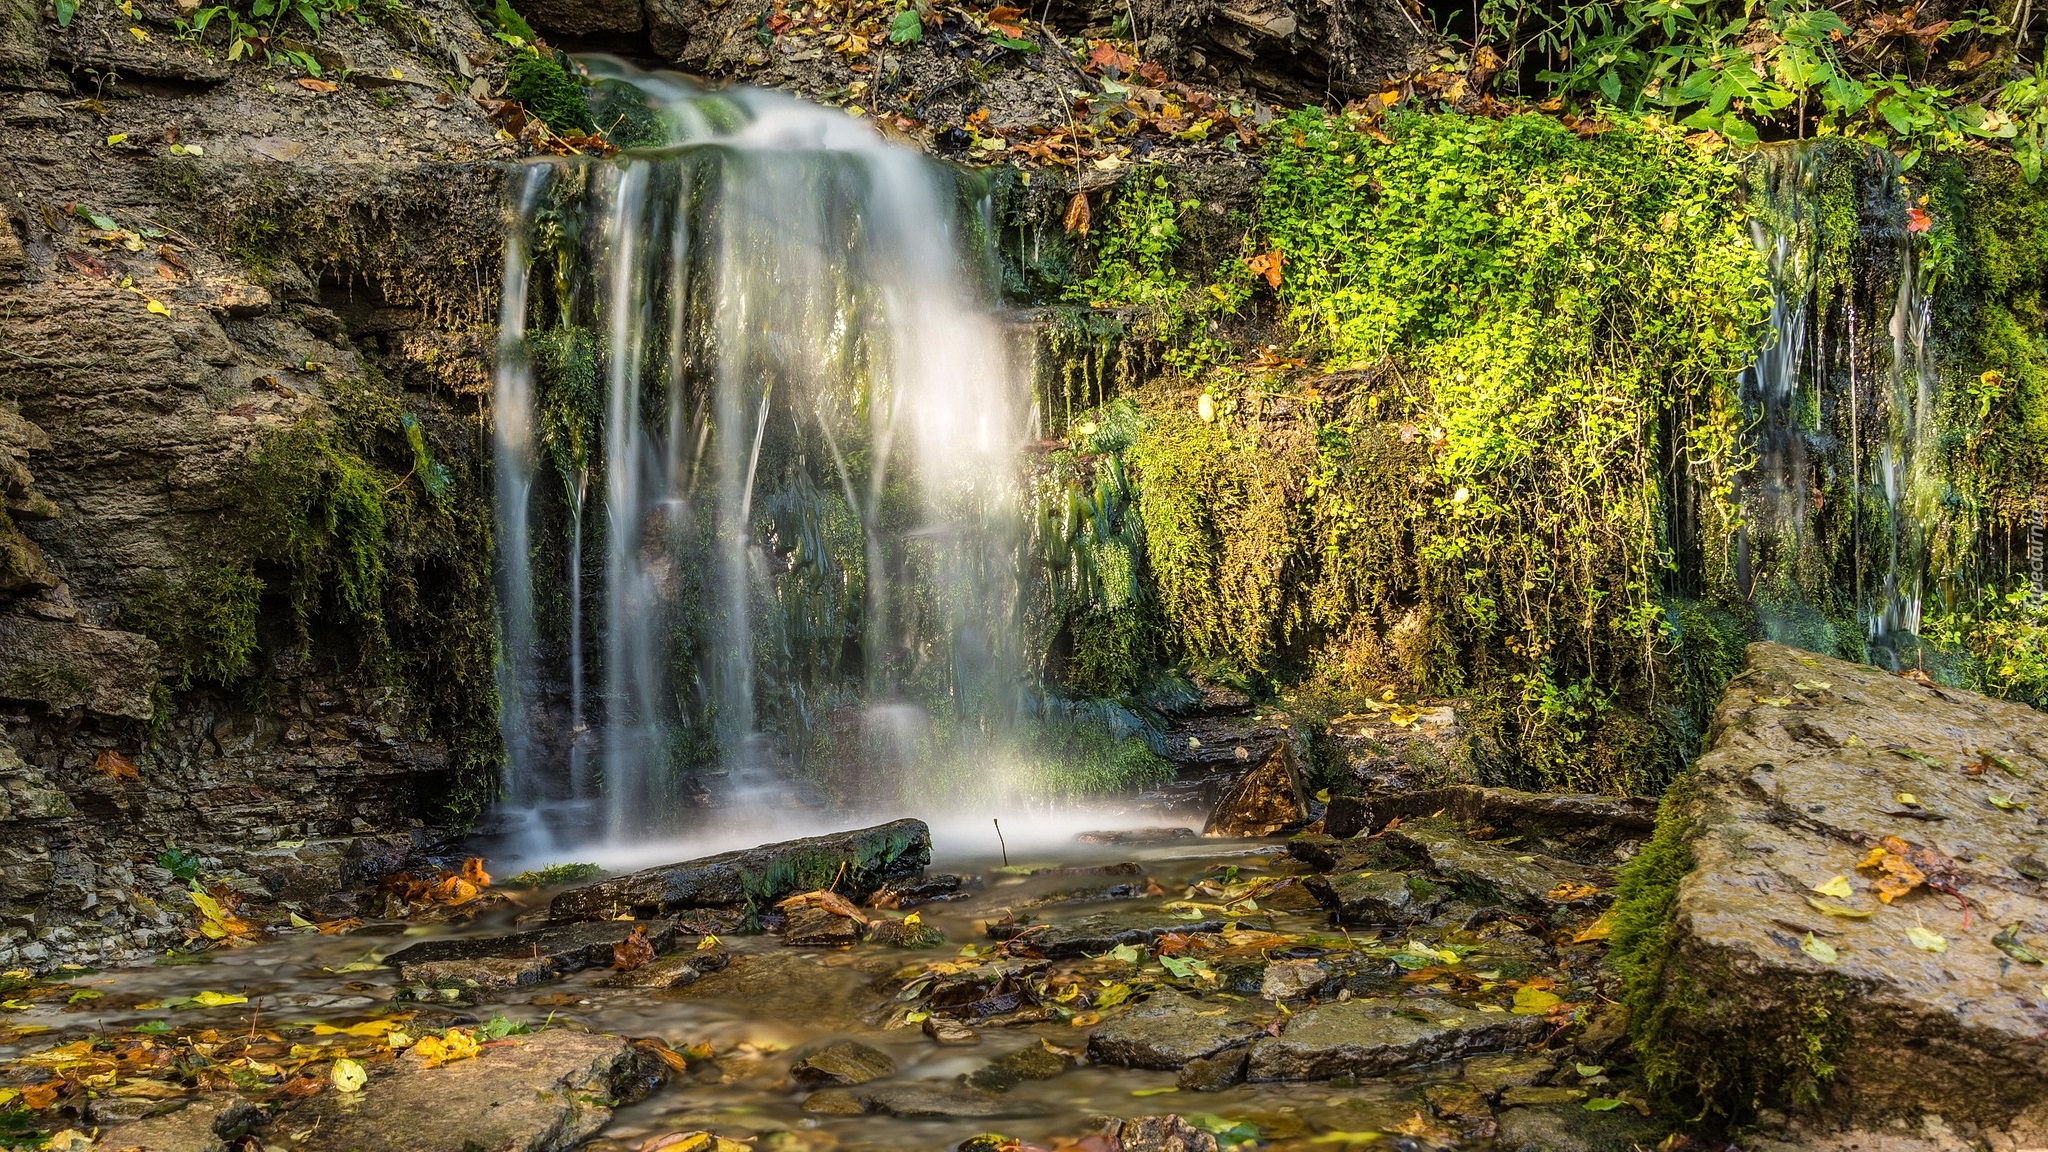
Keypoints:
pixel 1078 216
pixel 115 766
pixel 1917 220
pixel 1897 876
pixel 473 871
pixel 1267 264
pixel 312 85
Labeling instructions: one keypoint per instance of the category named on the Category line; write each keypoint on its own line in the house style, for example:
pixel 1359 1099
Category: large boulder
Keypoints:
pixel 1842 904
pixel 854 864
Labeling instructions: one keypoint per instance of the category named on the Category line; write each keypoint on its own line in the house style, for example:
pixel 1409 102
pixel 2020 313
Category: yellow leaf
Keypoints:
pixel 1921 938
pixel 1820 950
pixel 913 918
pixel 117 137
pixel 218 999
pixel 1836 886
pixel 1600 929
pixel 1535 1001
pixel 1908 799
pixel 348 1076
pixel 707 943
pixel 1086 1019
pixel 1154 1091
pixel 397 73
pixel 368 1029
pixel 157 306
pixel 1834 909
pixel 455 1044
pixel 139 34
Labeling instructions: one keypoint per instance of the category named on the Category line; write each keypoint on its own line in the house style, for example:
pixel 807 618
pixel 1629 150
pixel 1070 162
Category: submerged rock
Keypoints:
pixel 564 949
pixel 1765 963
pixel 1160 1134
pixel 821 928
pixel 919 1099
pixel 1506 873
pixel 1373 1037
pixel 1104 931
pixel 1033 1062
pixel 539 1093
pixel 840 1062
pixel 1376 899
pixel 679 971
pixel 1135 837
pixel 1173 1028
pixel 856 864
pixel 485 972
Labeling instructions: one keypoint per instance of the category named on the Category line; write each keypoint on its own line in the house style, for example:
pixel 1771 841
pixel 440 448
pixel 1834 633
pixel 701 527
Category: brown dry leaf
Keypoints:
pixel 827 899
pixel 634 952
pixel 115 766
pixel 312 85
pixel 1077 214
pixel 36 1097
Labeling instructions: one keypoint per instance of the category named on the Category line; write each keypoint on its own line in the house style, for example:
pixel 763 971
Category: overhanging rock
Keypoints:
pixel 1762 967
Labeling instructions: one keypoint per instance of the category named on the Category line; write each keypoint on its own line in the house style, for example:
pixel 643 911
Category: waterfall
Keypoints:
pixel 1833 547
pixel 785 430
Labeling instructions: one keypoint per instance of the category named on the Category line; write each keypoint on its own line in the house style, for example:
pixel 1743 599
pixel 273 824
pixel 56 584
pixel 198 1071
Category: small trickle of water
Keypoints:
pixel 1833 549
pixel 764 354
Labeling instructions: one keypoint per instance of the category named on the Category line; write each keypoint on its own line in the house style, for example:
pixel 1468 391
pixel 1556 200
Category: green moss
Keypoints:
pixel 548 91
pixel 204 621
pixel 319 512
pixel 56 683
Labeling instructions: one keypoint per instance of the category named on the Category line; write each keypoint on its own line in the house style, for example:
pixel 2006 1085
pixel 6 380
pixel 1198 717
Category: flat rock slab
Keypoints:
pixel 1376 899
pixel 856 863
pixel 200 1126
pixel 1096 934
pixel 1813 762
pixel 1363 1038
pixel 563 948
pixel 679 971
pixel 1173 1028
pixel 549 1091
pixel 1507 874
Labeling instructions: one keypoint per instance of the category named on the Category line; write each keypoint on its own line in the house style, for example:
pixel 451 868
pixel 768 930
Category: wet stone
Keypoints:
pixel 1171 1029
pixel 678 971
pixel 1509 874
pixel 841 1062
pixel 1507 1070
pixel 1214 1073
pixel 1036 1062
pixel 902 934
pixel 820 928
pixel 486 973
pixel 1376 899
pixel 200 1126
pixel 1263 801
pixel 1292 979
pixel 547 1092
pixel 1364 1038
pixel 1523 1096
pixel 1093 935
pixel 950 1032
pixel 858 863
pixel 570 948
pixel 1161 1134
pixel 1137 836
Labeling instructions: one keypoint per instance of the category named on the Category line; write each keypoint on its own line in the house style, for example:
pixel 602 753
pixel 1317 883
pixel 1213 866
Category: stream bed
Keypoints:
pixel 1307 993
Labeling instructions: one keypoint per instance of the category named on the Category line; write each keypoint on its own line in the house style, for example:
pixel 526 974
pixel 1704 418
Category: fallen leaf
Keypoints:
pixel 1897 875
pixel 1819 949
pixel 1269 265
pixel 1917 219
pixel 312 85
pixel 1842 910
pixel 634 952
pixel 1571 890
pixel 2008 942
pixel 1533 1001
pixel 348 1076
pixel 455 1044
pixel 1836 886
pixel 113 765
pixel 1921 938
pixel 218 999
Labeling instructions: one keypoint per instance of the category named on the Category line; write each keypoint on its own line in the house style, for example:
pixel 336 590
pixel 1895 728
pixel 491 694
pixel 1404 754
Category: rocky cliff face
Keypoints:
pixel 200 262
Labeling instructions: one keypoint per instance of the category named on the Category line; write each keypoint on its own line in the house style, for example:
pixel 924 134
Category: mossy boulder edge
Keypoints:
pixel 1749 987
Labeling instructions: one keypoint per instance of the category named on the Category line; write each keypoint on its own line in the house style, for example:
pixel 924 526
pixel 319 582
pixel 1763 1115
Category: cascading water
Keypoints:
pixel 1833 549
pixel 752 394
